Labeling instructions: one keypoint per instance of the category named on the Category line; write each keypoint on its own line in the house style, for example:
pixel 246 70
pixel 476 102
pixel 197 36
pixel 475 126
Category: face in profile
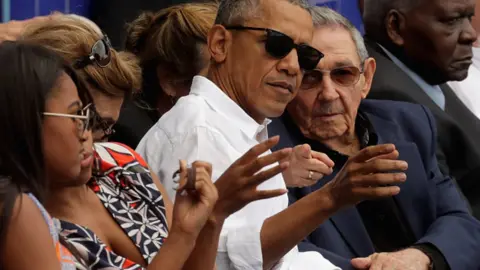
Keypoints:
pixel 437 38
pixel 63 136
pixel 263 82
pixel 327 102
pixel 108 110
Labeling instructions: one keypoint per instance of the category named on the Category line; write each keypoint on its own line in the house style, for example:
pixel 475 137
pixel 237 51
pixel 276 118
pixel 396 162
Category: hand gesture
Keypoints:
pixel 306 167
pixel 368 175
pixel 238 184
pixel 408 259
pixel 193 206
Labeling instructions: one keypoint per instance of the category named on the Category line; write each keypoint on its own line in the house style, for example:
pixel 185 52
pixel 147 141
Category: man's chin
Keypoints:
pixel 275 111
pixel 458 75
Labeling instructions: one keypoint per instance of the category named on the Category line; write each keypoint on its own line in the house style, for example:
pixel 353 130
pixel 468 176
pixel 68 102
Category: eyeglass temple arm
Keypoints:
pixel 66 115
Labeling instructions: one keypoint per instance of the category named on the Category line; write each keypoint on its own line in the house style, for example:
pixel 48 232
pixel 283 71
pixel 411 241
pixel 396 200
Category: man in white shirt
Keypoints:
pixel 259 49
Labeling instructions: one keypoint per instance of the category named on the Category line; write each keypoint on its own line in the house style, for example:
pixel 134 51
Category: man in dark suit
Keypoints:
pixel 423 45
pixel 425 226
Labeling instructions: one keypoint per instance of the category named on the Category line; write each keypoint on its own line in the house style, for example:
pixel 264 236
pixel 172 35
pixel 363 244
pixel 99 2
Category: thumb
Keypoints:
pixel 361 263
pixel 304 151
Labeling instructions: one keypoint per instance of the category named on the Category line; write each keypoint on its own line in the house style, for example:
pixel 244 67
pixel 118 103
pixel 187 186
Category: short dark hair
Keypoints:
pixel 375 12
pixel 26 83
pixel 237 11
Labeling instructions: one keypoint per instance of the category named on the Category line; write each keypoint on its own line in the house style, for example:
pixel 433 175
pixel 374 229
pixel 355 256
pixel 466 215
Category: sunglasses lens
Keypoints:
pixel 101 52
pixel 308 57
pixel 278 45
pixel 311 79
pixel 345 76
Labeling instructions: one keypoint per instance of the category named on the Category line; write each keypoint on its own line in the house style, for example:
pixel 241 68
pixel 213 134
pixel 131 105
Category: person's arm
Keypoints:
pixel 452 216
pixel 237 187
pixel 364 176
pixel 204 247
pixel 343 263
pixel 166 199
pixel 28 244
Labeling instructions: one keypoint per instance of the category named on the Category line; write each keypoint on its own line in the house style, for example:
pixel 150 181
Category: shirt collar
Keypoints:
pixel 434 91
pixel 363 129
pixel 223 104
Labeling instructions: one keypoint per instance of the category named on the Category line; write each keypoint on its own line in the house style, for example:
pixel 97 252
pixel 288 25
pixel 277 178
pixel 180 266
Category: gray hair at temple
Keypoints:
pixel 323 16
pixel 232 12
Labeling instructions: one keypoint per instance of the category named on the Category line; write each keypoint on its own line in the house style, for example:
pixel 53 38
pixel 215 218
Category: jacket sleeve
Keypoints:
pixel 455 232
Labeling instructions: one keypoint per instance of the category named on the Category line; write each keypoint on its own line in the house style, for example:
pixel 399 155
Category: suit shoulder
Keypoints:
pixel 390 108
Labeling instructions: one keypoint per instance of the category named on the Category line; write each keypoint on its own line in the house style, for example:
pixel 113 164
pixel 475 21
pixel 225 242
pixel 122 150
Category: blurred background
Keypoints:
pixel 110 15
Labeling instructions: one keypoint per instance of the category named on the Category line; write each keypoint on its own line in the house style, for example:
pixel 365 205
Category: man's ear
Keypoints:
pixel 369 68
pixel 219 40
pixel 395 25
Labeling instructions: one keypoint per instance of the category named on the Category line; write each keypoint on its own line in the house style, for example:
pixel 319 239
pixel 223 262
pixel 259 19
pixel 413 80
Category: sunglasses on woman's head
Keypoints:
pixel 344 76
pixel 279 45
pixel 100 54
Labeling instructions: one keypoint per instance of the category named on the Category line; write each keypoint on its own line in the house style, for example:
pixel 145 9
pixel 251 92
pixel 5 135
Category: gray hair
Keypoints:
pixel 232 12
pixel 323 16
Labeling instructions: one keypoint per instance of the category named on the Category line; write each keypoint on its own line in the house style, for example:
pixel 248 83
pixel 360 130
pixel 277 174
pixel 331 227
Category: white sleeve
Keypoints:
pixel 239 243
pixel 156 148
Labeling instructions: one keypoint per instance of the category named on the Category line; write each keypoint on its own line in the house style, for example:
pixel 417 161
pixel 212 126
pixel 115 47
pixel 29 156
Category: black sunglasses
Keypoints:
pixel 279 45
pixel 100 54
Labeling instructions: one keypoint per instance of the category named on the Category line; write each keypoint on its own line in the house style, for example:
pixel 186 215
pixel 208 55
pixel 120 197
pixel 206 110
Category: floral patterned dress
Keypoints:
pixel 124 184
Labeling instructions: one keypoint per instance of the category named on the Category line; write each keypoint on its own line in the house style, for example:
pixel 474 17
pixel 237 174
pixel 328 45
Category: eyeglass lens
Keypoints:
pixel 345 76
pixel 101 53
pixel 280 45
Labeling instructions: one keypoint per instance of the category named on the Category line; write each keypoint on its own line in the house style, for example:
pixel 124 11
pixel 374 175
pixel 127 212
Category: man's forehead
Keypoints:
pixel 287 18
pixel 447 7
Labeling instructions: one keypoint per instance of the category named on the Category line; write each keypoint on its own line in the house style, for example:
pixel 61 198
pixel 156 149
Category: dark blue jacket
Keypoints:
pixel 429 201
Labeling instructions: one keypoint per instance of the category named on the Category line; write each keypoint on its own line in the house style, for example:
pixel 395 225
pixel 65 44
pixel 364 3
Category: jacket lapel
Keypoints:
pixel 350 225
pixel 416 182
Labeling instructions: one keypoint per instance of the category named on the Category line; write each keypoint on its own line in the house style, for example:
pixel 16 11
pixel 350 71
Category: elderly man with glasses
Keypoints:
pixel 425 226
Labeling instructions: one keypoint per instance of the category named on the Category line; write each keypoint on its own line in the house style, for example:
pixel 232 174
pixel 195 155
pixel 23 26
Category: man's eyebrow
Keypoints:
pixel 343 63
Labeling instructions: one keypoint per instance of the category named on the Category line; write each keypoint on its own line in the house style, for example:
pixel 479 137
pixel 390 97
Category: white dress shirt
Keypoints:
pixel 207 125
pixel 468 90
